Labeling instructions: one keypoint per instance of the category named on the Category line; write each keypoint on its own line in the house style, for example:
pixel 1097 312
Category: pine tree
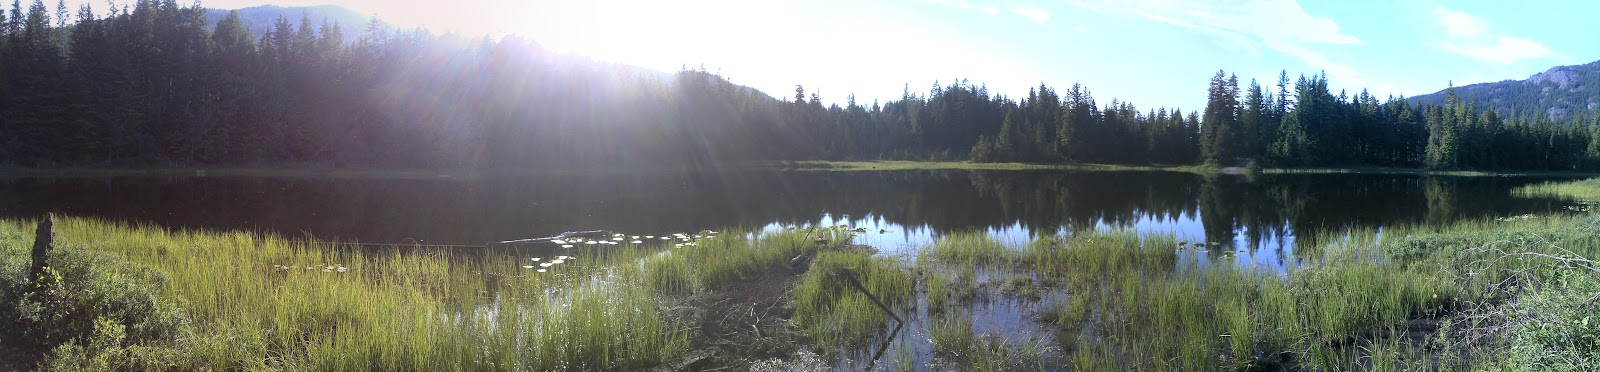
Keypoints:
pixel 1251 120
pixel 1218 144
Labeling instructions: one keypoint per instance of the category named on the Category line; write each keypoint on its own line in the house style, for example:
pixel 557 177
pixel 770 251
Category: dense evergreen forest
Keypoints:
pixel 151 85
pixel 1556 93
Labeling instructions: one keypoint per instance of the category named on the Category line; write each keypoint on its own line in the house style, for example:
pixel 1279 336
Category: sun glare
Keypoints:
pixel 651 33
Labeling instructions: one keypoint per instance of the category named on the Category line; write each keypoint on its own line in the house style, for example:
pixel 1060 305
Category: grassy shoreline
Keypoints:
pixel 803 165
pixel 880 165
pixel 1478 294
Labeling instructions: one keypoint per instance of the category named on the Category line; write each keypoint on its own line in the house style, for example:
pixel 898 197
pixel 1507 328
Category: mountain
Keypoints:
pixel 259 19
pixel 1557 94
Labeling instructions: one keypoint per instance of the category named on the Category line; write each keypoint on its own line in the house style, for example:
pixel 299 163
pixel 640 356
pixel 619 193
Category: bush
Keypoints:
pixel 87 310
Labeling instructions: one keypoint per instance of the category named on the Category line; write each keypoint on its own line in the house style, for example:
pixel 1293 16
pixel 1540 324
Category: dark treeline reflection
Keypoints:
pixel 457 211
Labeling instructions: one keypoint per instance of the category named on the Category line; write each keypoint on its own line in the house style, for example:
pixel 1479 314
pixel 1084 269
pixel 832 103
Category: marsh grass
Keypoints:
pixel 834 312
pixel 388 311
pixel 951 334
pixel 1155 316
pixel 1587 189
pixel 971 248
pixel 993 352
pixel 240 300
pixel 1506 293
pixel 1092 253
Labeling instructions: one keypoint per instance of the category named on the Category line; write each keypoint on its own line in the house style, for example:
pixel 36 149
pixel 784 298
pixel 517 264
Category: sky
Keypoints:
pixel 1153 53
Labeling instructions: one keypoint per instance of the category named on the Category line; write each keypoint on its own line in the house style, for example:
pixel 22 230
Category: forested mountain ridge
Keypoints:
pixel 1557 94
pixel 154 85
pixel 260 19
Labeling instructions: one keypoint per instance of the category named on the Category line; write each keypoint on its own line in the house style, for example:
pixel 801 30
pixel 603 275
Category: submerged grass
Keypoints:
pixel 1346 307
pixel 834 312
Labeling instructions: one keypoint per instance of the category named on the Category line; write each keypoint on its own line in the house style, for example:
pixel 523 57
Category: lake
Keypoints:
pixel 898 209
pixel 1250 221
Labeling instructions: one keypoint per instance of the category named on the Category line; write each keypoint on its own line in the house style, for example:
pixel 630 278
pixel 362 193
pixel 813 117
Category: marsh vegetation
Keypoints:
pixel 1494 291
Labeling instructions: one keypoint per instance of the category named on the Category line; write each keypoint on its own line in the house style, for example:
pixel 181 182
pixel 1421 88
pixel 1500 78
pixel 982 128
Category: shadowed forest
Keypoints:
pixel 152 85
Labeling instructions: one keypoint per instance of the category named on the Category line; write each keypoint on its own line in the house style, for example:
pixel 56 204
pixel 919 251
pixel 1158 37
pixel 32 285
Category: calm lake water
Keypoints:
pixel 899 209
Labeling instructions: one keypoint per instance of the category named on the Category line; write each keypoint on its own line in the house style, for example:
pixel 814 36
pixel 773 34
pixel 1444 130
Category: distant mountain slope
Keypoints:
pixel 259 19
pixel 1557 94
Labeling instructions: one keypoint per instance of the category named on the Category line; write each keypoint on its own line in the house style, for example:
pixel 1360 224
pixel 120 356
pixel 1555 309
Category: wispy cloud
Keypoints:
pixel 1504 50
pixel 1033 14
pixel 1460 24
pixel 1281 26
pixel 1473 37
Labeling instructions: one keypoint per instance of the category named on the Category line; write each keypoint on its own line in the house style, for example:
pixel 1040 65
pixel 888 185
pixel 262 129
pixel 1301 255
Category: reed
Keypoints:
pixel 1587 190
pixel 951 334
pixel 253 301
pixel 833 311
pixel 970 248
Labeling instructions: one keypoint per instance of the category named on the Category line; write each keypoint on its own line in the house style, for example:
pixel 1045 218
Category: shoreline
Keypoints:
pixel 884 165
pixel 802 166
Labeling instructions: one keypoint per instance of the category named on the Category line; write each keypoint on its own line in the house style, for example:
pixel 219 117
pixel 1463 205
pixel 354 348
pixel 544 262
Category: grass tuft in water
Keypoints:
pixel 833 311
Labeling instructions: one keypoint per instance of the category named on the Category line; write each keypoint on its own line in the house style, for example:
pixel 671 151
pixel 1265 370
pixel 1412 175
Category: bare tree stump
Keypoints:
pixel 42 241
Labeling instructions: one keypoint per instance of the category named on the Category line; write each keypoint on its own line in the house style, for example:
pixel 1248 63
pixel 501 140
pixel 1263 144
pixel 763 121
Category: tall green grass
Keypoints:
pixel 166 299
pixel 257 302
pixel 1156 316
pixel 834 312
pixel 1097 252
pixel 970 248
pixel 260 303
pixel 1587 189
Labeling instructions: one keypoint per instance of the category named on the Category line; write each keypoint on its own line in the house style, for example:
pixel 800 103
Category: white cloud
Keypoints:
pixel 1459 24
pixel 1033 14
pixel 1277 25
pixel 1472 36
pixel 991 10
pixel 1505 50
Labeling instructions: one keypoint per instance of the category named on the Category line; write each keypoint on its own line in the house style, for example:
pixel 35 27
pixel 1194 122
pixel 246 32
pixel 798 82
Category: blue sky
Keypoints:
pixel 1151 52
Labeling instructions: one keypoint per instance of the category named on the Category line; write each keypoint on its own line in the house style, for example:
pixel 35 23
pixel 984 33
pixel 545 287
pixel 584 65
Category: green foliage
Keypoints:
pixel 1558 326
pixel 833 311
pixel 1562 92
pixel 145 298
pixel 88 292
pixel 1252 168
pixel 1219 132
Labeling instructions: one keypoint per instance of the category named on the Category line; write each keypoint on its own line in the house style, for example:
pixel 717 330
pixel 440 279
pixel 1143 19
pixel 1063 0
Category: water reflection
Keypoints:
pixel 899 210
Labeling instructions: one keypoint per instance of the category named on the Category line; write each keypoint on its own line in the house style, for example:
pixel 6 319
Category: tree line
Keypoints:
pixel 151 84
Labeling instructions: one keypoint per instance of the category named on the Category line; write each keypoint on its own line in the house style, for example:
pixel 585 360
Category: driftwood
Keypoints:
pixel 43 238
pixel 563 236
